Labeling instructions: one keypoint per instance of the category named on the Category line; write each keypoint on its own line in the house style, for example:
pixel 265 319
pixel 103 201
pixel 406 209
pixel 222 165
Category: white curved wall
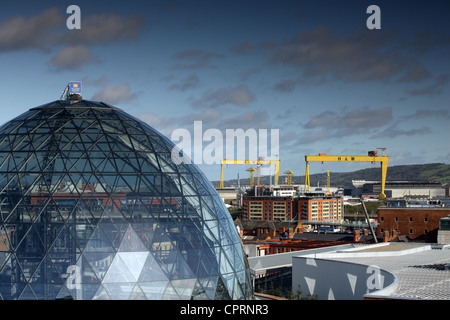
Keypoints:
pixel 338 280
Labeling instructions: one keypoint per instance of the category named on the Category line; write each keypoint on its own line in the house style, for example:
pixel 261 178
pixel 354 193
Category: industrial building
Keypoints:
pixel 420 224
pixel 395 189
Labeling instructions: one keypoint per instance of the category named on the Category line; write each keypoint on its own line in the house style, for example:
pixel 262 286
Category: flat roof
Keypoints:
pixel 421 273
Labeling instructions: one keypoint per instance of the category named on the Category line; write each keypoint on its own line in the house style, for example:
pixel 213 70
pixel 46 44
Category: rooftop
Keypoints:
pixel 422 271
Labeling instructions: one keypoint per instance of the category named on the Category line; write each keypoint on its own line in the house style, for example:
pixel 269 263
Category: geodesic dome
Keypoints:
pixel 93 207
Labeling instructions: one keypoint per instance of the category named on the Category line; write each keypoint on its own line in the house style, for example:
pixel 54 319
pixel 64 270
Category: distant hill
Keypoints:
pixel 432 172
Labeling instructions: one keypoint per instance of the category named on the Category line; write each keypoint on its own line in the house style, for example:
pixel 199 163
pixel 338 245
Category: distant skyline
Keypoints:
pixel 311 69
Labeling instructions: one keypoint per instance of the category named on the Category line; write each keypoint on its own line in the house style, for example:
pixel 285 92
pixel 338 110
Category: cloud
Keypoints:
pixel 240 96
pixel 115 94
pixel 105 28
pixel 393 131
pixel 358 120
pixel 434 88
pixel 48 29
pixel 195 59
pixel 19 33
pixel 426 113
pixel 285 86
pixel 322 54
pixel 314 136
pixel 330 124
pixel 425 41
pixel 72 58
pixel 190 82
pixel 210 118
pixel 101 81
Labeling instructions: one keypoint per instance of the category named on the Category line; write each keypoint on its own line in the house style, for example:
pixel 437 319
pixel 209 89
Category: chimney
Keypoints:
pixel 290 233
pixel 386 236
pixel 356 235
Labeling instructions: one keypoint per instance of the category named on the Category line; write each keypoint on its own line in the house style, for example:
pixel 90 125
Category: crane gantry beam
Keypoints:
pixel 371 158
pixel 257 162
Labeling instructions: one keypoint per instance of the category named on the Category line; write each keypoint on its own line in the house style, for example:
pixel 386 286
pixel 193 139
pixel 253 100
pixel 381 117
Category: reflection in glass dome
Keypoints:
pixel 92 207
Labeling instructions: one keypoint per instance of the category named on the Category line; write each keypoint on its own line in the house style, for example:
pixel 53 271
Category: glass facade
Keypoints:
pixel 93 207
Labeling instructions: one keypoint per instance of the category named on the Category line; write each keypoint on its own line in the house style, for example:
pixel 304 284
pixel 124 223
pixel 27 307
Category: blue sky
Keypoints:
pixel 310 69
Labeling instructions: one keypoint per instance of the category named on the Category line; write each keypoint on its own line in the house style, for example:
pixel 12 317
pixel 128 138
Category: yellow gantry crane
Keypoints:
pixel 328 184
pixel 289 177
pixel 257 162
pixel 252 176
pixel 371 157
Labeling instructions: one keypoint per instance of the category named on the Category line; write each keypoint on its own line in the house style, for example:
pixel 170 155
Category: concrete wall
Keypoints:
pixel 337 280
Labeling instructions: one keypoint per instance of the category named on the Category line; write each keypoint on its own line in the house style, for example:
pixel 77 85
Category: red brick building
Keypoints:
pixel 416 223
pixel 321 208
pixel 268 208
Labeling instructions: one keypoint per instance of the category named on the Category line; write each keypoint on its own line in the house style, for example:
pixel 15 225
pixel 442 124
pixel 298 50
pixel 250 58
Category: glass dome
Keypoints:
pixel 93 207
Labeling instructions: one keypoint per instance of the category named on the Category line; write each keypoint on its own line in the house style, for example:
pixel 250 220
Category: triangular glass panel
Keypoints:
pixel 131 242
pixel 137 293
pixel 119 291
pixel 64 294
pixel 101 294
pixel 145 232
pixel 221 291
pixel 154 290
pixel 151 271
pixel 225 266
pixel 209 286
pixel 99 242
pixel 99 262
pixel 118 272
pixel 237 293
pixel 209 264
pixel 27 294
pixel 87 292
pixel 134 261
pixel 199 293
pixel 184 287
pixel 170 293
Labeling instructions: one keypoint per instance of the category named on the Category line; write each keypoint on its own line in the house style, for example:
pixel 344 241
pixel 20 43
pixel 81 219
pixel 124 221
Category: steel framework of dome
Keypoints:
pixel 93 207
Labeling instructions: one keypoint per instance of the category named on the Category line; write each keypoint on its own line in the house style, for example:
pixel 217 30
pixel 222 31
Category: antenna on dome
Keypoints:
pixel 72 92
